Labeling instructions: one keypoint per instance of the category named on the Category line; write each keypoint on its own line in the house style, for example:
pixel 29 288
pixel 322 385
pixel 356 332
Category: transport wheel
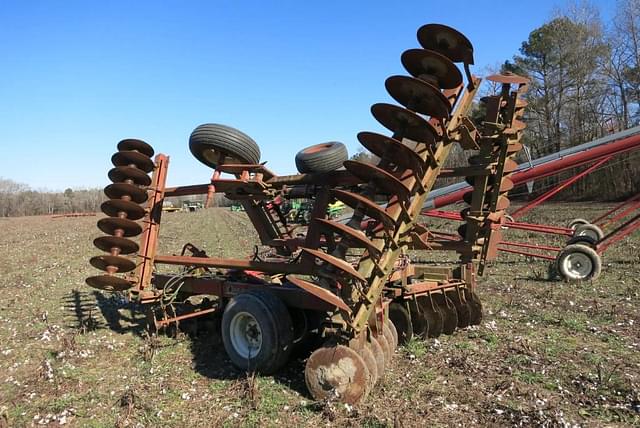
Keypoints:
pixel 578 262
pixel 388 334
pixel 590 230
pixel 401 318
pixel 337 372
pixel 584 240
pixel 257 331
pixel 378 354
pixel 573 224
pixel 325 157
pixel 475 307
pixel 433 316
pixel 212 143
pixel 462 309
pixel 448 311
pixel 418 320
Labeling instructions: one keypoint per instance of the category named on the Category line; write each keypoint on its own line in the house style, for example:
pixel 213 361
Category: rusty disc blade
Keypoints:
pixel 337 371
pixel 336 263
pixel 461 307
pixel 349 234
pixel 389 148
pixel 122 264
pixel 369 207
pixel 508 78
pixel 123 190
pixel 321 293
pixel 108 283
pixel 503 203
pixel 132 158
pixel 388 334
pixel 518 125
pixel 520 103
pixel 370 360
pixel 505 185
pixel 404 123
pixel 419 96
pixel 418 321
pixel 113 207
pixel 384 182
pixel 433 317
pixel 514 148
pixel 137 145
pixel 509 166
pixel 475 307
pixel 394 332
pixel 378 354
pixel 120 174
pixel 420 62
pixel 386 346
pixel 107 243
pixel 448 311
pixel 400 317
pixel 446 41
pixel 111 226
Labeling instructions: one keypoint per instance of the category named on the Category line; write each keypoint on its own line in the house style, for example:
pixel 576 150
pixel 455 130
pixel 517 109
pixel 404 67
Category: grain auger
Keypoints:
pixel 343 291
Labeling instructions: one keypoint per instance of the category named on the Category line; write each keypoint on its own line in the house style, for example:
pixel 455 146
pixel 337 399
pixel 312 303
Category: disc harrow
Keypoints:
pixel 352 274
pixel 130 178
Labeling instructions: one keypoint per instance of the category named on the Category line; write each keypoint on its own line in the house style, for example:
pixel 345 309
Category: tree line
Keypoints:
pixel 585 84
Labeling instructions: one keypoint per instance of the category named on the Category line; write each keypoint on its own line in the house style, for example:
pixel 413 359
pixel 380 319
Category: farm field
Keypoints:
pixel 547 352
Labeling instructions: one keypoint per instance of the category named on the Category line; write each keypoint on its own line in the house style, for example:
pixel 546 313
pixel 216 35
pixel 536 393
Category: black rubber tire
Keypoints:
pixel 325 157
pixel 208 142
pixel 274 321
pixel 590 230
pixel 573 224
pixel 401 319
pixel 572 250
pixel 583 240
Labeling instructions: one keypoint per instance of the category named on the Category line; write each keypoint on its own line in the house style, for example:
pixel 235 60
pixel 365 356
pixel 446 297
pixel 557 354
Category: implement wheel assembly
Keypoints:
pixel 213 144
pixel 578 262
pixel 257 332
pixel 325 157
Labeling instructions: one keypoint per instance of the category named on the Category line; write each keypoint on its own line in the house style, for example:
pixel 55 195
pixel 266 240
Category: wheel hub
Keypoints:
pixel 246 335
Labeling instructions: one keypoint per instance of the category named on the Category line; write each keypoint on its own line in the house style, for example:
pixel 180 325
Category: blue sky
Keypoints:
pixel 78 76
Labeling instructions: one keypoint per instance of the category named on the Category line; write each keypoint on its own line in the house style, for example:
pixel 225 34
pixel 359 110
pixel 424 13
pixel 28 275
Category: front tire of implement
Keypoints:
pixel 578 262
pixel 325 157
pixel 211 143
pixel 590 230
pixel 401 319
pixel 257 332
pixel 573 224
